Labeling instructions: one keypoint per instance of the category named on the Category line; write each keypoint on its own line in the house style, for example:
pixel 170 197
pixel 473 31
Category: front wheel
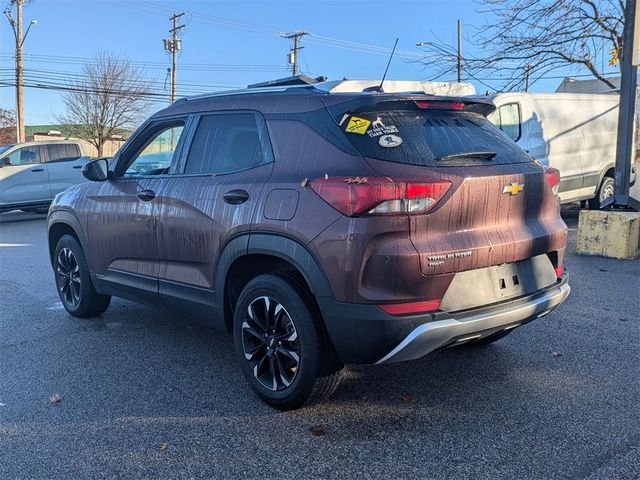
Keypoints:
pixel 73 281
pixel 605 191
pixel 281 344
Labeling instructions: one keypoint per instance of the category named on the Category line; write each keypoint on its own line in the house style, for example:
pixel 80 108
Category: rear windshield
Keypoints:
pixel 430 138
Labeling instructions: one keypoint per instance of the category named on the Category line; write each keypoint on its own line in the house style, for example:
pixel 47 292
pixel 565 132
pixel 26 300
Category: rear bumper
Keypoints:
pixel 449 331
pixel 365 334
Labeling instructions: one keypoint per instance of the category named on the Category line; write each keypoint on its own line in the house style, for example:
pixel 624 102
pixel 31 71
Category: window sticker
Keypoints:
pixel 357 125
pixel 390 141
pixel 378 128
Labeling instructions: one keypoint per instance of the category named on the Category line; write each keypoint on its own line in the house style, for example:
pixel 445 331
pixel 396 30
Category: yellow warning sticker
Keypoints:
pixel 357 125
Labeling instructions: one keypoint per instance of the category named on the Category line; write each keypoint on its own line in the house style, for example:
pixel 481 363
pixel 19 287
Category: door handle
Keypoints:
pixel 37 169
pixel 77 166
pixel 146 195
pixel 236 197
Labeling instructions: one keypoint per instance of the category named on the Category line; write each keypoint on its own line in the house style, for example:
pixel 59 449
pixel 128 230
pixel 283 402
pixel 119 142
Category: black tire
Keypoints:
pixel 73 282
pixel 267 353
pixel 605 191
pixel 488 340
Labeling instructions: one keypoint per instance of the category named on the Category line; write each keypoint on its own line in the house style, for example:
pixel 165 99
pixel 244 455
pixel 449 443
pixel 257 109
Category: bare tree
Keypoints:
pixel 536 37
pixel 108 97
pixel 7 126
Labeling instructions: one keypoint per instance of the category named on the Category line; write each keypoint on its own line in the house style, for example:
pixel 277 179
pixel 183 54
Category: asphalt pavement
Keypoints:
pixel 142 393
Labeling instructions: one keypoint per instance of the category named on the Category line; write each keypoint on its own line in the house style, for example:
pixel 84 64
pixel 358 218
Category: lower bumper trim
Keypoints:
pixel 433 335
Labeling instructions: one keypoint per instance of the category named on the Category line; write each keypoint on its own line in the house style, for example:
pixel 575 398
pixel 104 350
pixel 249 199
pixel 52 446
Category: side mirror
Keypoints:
pixel 5 162
pixel 96 170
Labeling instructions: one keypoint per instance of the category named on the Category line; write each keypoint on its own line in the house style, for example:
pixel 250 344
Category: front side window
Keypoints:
pixel 510 120
pixel 24 156
pixel 156 157
pixel 507 118
pixel 225 143
pixel 63 152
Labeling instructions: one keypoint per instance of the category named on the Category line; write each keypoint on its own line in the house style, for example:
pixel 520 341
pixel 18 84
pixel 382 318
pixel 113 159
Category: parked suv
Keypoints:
pixel 320 228
pixel 32 173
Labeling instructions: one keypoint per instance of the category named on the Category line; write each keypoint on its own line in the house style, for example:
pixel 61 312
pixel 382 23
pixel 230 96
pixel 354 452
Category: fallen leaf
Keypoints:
pixel 55 398
pixel 604 270
pixel 556 354
pixel 318 431
pixel 410 399
pixel 624 319
pixel 164 446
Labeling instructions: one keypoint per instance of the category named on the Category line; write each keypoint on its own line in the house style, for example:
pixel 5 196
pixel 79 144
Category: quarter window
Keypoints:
pixel 225 143
pixel 157 155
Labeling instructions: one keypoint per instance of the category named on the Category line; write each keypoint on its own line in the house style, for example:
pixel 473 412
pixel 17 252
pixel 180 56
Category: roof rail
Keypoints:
pixel 289 81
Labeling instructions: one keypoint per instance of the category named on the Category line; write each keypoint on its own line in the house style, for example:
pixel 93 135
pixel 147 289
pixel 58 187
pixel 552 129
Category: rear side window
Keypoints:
pixel 421 137
pixel 63 152
pixel 225 143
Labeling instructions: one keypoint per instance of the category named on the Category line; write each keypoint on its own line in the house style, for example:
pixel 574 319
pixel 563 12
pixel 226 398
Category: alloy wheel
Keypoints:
pixel 68 272
pixel 270 343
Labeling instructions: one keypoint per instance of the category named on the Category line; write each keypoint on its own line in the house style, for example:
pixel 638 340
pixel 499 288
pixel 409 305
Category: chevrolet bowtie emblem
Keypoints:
pixel 513 188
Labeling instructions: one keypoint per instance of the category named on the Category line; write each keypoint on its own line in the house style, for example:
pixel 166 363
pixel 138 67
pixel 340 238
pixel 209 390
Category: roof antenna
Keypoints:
pixel 379 87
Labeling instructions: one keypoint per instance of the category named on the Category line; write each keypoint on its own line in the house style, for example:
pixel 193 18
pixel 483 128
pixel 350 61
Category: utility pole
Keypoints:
pixel 173 45
pixel 459 51
pixel 626 110
pixel 293 53
pixel 16 25
pixel 526 77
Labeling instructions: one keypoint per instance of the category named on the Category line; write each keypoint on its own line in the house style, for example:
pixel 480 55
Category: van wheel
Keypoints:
pixel 281 344
pixel 73 281
pixel 605 191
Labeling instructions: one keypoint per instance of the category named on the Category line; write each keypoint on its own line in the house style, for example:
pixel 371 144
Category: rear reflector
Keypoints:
pixel 379 195
pixel 559 271
pixel 410 308
pixel 553 179
pixel 440 105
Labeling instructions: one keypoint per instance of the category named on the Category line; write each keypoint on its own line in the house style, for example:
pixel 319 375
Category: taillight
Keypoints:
pixel 379 195
pixel 440 105
pixel 559 271
pixel 410 308
pixel 553 179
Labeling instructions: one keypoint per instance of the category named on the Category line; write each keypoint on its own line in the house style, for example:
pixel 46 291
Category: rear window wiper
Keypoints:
pixel 465 155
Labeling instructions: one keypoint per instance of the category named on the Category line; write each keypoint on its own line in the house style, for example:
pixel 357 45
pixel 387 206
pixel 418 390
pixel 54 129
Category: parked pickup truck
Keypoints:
pixel 574 133
pixel 32 173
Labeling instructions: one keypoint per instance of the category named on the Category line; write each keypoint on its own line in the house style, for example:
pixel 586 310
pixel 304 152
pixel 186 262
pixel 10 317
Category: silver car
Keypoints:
pixel 32 173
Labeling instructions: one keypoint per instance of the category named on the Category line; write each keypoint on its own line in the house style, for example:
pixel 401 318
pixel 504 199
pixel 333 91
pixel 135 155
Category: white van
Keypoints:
pixel 575 133
pixel 32 173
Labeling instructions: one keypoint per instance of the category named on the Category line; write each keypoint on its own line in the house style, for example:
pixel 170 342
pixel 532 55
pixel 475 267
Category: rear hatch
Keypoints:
pixel 500 207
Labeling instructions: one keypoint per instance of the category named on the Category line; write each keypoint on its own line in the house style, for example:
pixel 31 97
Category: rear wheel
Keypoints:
pixel 73 282
pixel 281 344
pixel 605 191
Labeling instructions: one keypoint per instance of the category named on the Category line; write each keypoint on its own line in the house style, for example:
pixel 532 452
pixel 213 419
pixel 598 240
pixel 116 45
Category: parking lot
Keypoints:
pixel 146 393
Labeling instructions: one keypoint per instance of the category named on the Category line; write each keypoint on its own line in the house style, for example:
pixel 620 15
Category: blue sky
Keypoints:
pixel 241 38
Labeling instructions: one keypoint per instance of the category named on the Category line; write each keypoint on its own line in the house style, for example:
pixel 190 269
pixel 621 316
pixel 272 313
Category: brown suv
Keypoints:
pixel 320 228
